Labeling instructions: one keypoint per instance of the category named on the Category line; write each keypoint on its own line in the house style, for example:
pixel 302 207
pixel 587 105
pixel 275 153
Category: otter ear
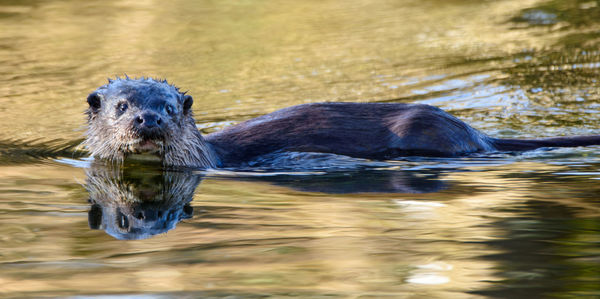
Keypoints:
pixel 95 101
pixel 95 216
pixel 187 103
pixel 188 211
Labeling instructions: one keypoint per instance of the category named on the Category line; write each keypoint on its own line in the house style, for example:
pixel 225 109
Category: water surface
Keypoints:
pixel 508 226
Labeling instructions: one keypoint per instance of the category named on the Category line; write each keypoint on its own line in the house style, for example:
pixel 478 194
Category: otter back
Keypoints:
pixel 364 130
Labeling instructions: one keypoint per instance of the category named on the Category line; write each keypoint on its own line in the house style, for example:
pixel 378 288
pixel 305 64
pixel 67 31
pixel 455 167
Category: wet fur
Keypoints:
pixel 111 136
pixel 361 130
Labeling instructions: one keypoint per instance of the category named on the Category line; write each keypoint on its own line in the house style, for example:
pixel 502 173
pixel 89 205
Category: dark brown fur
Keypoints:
pixel 363 130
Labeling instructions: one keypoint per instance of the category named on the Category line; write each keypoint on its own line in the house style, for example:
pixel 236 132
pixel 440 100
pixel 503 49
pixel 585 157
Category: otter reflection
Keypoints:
pixel 132 203
pixel 360 181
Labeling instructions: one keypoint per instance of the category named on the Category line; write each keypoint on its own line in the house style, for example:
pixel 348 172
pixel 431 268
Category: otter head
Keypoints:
pixel 145 116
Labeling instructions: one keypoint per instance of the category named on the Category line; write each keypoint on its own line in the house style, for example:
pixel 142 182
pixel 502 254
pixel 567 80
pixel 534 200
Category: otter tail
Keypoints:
pixel 531 144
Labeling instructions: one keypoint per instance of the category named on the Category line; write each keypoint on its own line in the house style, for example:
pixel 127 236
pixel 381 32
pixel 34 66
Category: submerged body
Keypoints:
pixel 131 116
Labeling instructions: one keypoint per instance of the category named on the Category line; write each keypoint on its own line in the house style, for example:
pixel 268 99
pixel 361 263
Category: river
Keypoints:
pixel 522 225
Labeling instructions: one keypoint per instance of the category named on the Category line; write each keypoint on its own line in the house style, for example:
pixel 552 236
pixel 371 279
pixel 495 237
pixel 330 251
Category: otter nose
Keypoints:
pixel 148 120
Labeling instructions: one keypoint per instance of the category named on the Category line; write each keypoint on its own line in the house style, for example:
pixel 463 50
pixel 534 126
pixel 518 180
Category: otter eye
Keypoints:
pixel 122 107
pixel 170 109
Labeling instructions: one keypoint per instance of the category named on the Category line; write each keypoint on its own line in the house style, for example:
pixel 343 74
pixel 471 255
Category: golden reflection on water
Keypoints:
pixel 242 59
pixel 474 230
pixel 258 238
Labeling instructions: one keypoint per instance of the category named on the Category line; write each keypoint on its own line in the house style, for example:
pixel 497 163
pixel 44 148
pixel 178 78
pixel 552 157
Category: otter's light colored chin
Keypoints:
pixel 147 146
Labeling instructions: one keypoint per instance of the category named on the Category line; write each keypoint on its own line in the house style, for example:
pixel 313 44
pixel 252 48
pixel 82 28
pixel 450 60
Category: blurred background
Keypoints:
pixel 491 226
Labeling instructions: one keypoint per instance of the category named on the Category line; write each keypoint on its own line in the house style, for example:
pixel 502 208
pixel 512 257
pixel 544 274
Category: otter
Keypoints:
pixel 130 116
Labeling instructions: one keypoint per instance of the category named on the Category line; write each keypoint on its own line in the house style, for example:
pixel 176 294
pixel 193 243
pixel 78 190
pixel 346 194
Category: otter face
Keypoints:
pixel 136 116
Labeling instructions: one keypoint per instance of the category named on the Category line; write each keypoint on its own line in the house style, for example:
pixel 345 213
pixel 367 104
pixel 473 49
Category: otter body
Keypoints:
pixel 363 130
pixel 132 116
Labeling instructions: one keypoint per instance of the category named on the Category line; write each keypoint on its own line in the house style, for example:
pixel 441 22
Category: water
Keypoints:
pixel 506 226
